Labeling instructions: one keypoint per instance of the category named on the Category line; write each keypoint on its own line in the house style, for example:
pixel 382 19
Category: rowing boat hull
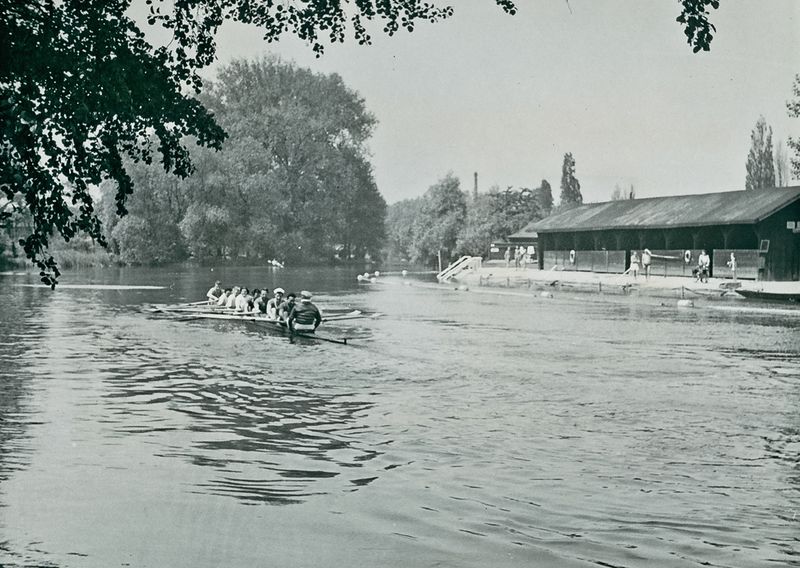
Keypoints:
pixel 775 296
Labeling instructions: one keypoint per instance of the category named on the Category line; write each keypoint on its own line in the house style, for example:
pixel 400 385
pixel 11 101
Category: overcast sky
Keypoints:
pixel 612 81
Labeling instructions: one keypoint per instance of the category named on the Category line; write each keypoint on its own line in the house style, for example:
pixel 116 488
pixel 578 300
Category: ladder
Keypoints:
pixel 460 265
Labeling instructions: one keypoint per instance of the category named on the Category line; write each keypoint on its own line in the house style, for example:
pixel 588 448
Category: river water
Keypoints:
pixel 466 429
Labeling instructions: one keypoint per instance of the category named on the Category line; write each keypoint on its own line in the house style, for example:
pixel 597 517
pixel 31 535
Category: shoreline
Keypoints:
pixel 499 276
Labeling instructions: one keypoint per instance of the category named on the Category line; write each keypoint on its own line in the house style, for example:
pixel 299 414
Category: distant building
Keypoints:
pixel 762 228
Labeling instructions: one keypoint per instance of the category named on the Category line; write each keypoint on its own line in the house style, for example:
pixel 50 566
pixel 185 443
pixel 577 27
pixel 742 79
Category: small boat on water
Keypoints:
pixel 767 295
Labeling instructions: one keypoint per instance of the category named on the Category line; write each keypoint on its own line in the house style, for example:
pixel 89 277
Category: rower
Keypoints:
pixel 223 299
pixel 231 303
pixel 286 306
pixel 272 305
pixel 241 300
pixel 304 316
pixel 260 303
pixel 214 293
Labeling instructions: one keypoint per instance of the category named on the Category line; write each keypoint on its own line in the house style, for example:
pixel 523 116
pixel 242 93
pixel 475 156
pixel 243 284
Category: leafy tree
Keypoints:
pixel 404 228
pixel 793 106
pixel 295 164
pixel 443 214
pixel 544 198
pixel 782 176
pixel 760 167
pixel 570 186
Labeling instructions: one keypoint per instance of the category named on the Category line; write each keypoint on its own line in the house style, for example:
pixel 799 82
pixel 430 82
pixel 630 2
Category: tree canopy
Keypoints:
pixel 793 106
pixel 570 186
pixel 81 88
pixel 760 165
pixel 292 182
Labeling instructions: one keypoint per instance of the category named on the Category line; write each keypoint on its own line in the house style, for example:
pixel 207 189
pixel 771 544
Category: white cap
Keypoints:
pixel 279 291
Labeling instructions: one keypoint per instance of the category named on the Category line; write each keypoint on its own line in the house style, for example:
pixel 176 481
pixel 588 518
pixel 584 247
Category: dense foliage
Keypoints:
pixel 445 220
pixel 293 181
pixel 760 165
pixel 793 106
pixel 570 186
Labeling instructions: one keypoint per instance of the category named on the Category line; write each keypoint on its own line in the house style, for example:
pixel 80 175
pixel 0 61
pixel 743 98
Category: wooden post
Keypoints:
pixel 440 260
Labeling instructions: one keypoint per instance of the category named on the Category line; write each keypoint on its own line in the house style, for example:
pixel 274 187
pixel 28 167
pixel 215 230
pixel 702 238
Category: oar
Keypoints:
pixel 342 341
pixel 349 315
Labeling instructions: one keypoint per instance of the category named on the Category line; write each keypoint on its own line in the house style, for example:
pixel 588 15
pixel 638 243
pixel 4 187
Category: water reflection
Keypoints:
pixel 263 438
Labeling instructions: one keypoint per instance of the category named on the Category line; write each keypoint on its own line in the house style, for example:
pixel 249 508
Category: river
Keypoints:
pixel 463 429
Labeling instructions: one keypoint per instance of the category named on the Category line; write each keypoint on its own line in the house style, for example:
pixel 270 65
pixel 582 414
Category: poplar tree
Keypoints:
pixel 570 186
pixel 793 106
pixel 760 167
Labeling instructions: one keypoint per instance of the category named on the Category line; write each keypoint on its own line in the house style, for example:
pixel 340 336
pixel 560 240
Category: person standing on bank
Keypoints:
pixel 703 266
pixel 634 267
pixel 507 256
pixel 304 316
pixel 647 258
pixel 732 265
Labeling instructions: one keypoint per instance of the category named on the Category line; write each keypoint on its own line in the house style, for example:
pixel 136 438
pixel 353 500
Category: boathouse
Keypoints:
pixel 761 228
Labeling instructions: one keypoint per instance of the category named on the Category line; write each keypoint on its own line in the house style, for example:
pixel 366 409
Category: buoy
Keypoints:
pixel 546 294
pixel 685 304
pixel 404 273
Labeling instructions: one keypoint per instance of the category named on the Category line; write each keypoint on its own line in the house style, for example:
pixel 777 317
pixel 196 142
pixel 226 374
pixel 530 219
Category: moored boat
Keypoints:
pixel 770 295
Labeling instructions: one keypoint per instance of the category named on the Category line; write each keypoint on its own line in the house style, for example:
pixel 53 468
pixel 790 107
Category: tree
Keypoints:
pixel 544 198
pixel 793 106
pixel 404 229
pixel 81 88
pixel 443 214
pixel 619 194
pixel 782 177
pixel 760 168
pixel 570 186
pixel 296 163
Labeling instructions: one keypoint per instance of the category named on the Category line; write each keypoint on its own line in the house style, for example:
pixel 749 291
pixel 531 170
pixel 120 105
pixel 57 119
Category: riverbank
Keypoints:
pixel 497 275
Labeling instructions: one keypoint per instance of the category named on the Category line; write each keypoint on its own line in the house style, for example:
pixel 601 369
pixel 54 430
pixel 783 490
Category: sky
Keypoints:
pixel 611 81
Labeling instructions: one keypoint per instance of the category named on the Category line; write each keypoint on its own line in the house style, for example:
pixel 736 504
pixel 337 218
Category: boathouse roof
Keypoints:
pixel 726 208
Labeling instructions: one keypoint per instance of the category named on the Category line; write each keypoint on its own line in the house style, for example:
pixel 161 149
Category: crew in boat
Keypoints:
pixel 274 303
pixel 305 316
pixel 214 293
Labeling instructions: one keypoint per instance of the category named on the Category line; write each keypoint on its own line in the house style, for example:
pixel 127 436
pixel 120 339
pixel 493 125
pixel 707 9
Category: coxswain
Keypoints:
pixel 304 316
pixel 214 293
pixel 286 306
pixel 272 305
